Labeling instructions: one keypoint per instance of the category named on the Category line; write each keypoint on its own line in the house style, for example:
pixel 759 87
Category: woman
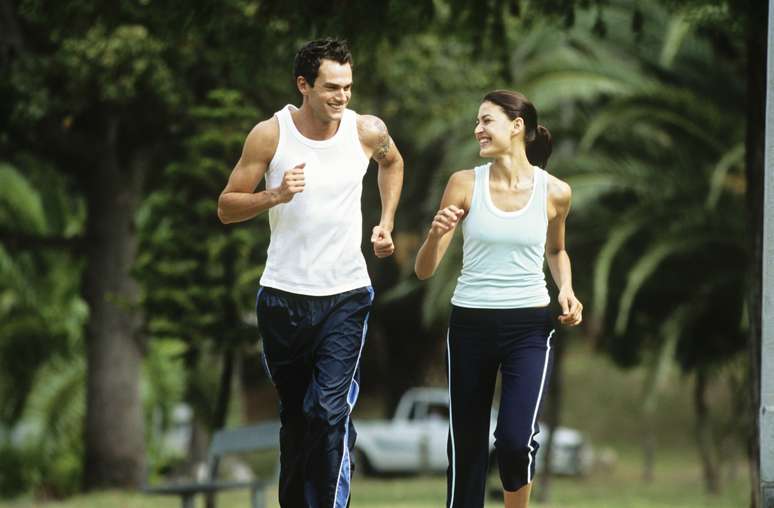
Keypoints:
pixel 513 215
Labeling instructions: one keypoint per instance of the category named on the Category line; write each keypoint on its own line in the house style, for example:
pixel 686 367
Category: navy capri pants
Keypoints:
pixel 517 342
pixel 312 348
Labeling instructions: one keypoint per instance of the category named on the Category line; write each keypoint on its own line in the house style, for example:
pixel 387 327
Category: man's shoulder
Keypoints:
pixel 263 138
pixel 266 130
pixel 370 127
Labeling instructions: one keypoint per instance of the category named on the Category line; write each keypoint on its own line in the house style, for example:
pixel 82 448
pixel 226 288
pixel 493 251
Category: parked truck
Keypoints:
pixel 414 440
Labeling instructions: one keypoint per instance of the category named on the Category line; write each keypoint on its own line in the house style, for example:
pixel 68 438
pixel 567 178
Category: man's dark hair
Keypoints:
pixel 308 58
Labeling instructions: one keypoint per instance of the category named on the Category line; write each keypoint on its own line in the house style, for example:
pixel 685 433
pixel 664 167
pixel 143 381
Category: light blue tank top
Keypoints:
pixel 503 252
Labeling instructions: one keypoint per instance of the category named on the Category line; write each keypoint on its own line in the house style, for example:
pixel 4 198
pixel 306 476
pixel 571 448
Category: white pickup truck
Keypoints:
pixel 414 441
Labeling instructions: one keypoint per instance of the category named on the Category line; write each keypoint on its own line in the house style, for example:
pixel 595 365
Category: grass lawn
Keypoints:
pixel 600 399
pixel 677 485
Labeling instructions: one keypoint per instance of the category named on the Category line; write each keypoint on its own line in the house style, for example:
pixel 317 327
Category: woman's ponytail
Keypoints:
pixel 539 149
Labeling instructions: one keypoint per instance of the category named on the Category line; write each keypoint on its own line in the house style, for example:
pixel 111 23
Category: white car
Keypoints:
pixel 414 441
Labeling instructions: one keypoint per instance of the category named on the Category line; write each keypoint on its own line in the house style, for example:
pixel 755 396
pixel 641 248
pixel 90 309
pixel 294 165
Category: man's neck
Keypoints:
pixel 312 127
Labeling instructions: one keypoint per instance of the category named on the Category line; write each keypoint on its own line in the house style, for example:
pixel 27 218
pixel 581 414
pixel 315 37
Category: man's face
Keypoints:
pixel 331 91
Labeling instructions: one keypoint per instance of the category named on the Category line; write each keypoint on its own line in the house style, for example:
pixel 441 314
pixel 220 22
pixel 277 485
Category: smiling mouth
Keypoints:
pixel 483 142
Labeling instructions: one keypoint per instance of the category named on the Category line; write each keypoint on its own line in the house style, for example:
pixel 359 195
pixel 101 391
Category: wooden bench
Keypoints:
pixel 261 437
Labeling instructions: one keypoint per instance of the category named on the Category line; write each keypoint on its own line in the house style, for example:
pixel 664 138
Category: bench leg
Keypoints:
pixel 188 500
pixel 257 498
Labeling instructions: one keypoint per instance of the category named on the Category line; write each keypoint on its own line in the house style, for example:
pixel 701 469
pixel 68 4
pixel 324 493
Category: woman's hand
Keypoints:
pixel 572 309
pixel 445 220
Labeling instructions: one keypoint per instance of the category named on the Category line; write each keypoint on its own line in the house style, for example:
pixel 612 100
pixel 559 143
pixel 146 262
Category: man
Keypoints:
pixel 315 292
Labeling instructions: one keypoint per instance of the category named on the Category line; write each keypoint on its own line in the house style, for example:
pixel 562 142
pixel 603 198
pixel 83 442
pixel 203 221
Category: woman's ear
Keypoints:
pixel 517 125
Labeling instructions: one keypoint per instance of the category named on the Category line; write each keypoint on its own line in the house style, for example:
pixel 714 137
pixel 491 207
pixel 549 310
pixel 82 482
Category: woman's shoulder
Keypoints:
pixel 459 189
pixel 559 191
pixel 463 177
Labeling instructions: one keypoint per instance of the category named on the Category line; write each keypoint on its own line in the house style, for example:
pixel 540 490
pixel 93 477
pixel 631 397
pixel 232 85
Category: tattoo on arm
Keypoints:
pixel 382 142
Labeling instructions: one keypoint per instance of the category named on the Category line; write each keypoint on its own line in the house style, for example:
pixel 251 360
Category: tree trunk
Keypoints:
pixel 252 384
pixel 223 401
pixel 114 440
pixel 704 435
pixel 11 34
pixel 221 405
pixel 224 390
pixel 648 453
pixel 754 144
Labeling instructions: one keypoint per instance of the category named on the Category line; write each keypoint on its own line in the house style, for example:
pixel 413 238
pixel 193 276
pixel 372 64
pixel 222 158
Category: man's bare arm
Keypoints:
pixel 378 144
pixel 239 202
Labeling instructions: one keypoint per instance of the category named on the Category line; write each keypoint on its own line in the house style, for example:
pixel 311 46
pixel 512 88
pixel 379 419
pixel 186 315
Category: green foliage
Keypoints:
pixel 54 417
pixel 199 276
pixel 670 153
pixel 189 261
pixel 648 132
pixel 20 206
pixel 41 312
pixel 116 67
pixel 162 387
pixel 42 373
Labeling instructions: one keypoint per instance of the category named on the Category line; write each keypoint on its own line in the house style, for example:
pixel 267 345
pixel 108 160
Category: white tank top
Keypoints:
pixel 315 246
pixel 503 252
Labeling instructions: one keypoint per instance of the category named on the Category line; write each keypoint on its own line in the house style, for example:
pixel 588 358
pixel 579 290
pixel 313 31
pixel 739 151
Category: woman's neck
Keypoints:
pixel 513 168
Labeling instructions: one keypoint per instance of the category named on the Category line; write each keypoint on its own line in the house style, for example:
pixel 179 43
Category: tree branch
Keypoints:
pixel 15 241
pixel 11 33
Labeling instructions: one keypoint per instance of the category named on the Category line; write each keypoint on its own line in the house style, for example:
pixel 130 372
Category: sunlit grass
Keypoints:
pixel 677 484
pixel 601 400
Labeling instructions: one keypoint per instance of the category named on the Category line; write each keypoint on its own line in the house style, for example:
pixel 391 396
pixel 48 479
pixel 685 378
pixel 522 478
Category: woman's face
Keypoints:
pixel 494 130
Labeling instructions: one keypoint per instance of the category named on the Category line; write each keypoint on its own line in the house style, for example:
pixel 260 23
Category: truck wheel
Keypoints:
pixel 494 487
pixel 362 466
pixel 493 461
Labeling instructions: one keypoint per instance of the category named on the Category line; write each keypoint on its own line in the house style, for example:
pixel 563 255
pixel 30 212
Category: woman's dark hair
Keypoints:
pixel 536 137
pixel 308 58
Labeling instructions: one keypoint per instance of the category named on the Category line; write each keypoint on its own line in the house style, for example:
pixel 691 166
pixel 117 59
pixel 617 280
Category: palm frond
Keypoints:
pixel 595 174
pixel 734 156
pixel 676 33
pixel 552 88
pixel 661 368
pixel 20 202
pixel 57 402
pixel 630 111
pixel 646 266
pixel 618 236
pixel 15 278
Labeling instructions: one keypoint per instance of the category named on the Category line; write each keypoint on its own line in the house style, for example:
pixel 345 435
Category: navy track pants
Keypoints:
pixel 517 342
pixel 312 348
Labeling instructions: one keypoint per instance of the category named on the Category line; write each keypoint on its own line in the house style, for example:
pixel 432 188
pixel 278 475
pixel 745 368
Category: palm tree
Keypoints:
pixel 41 344
pixel 665 161
pixel 42 350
